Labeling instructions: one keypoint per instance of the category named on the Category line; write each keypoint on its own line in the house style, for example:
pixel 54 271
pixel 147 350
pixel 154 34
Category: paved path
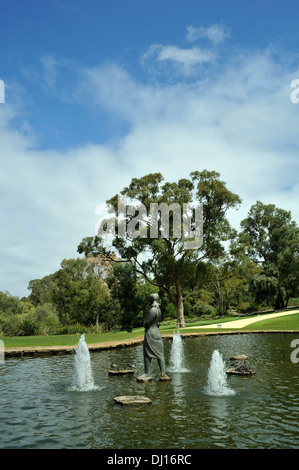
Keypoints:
pixel 240 323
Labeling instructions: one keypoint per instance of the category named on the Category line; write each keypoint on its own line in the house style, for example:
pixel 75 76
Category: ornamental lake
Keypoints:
pixel 40 410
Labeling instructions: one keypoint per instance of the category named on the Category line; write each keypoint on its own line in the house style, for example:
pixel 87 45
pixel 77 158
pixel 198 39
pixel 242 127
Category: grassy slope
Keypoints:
pixel 288 322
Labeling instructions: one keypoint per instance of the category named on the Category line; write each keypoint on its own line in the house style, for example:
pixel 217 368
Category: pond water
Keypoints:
pixel 39 409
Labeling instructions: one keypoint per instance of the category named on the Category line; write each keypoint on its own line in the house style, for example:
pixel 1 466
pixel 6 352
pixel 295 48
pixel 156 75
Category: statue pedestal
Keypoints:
pixel 165 378
pixel 144 379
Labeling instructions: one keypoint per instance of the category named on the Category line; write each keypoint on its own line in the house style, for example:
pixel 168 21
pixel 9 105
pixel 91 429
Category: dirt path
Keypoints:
pixel 237 324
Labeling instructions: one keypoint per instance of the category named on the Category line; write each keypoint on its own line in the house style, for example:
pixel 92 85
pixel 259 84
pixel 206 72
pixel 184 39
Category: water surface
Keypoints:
pixel 38 409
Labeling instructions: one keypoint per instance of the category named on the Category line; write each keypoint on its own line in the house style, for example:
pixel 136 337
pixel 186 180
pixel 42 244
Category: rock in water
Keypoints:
pixel 121 371
pixel 132 400
pixel 240 357
pixel 165 378
pixel 144 378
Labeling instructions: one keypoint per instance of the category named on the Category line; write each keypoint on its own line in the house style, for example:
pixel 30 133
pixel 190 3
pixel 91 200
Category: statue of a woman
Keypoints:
pixel 153 345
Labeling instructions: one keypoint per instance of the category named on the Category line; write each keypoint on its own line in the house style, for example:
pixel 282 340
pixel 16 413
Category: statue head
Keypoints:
pixel 153 297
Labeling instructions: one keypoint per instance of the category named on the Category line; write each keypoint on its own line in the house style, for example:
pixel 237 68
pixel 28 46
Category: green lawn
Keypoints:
pixel 288 322
pixel 67 340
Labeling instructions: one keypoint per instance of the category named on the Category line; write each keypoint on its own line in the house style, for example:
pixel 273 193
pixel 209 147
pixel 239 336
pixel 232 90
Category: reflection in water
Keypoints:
pixel 38 410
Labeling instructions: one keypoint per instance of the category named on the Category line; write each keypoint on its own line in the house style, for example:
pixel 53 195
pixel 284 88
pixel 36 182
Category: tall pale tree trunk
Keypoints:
pixel 180 309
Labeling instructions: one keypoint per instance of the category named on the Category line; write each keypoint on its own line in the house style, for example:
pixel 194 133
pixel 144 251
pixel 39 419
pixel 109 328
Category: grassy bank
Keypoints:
pixel 288 322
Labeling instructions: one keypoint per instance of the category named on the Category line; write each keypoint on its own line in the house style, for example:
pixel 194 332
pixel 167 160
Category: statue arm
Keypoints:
pixel 151 317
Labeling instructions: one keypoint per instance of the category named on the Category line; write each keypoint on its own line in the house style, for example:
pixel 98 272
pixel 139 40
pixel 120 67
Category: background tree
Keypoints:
pixel 168 264
pixel 74 291
pixel 131 292
pixel 271 239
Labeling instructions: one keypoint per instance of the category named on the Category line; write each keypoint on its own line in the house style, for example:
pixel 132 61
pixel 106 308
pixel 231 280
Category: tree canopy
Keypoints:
pixel 270 238
pixel 164 260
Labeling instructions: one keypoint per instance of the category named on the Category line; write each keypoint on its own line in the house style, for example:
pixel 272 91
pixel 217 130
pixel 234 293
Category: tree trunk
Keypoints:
pixel 279 303
pixel 180 309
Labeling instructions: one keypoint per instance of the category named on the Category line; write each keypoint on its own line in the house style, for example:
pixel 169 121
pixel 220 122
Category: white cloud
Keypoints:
pixel 186 60
pixel 214 33
pixel 183 61
pixel 239 122
pixel 187 57
pixel 50 70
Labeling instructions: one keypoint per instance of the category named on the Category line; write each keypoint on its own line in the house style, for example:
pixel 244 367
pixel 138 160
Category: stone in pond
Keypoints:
pixel 240 357
pixel 165 378
pixel 144 378
pixel 241 370
pixel 121 371
pixel 132 400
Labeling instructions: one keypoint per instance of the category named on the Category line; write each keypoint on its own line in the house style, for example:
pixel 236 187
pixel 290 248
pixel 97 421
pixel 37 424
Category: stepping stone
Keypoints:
pixel 121 371
pixel 144 379
pixel 240 357
pixel 132 400
pixel 239 371
pixel 165 379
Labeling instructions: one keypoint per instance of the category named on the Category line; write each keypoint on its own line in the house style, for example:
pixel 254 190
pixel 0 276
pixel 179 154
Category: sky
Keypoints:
pixel 98 92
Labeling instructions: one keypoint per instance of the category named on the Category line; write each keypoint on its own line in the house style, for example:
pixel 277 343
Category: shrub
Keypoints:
pixel 170 311
pixel 27 327
pixel 203 308
pixel 71 329
pixel 46 317
pixel 245 307
pixel 9 324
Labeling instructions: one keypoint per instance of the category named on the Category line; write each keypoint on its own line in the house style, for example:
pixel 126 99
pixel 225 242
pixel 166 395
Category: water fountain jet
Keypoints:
pixel 177 354
pixel 83 377
pixel 217 379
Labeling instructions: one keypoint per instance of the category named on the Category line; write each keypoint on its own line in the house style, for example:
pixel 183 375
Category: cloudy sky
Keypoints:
pixel 99 92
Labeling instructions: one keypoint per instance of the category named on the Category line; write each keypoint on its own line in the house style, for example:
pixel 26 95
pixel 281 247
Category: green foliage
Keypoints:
pixel 27 326
pixel 246 307
pixel 169 311
pixel 46 316
pixel 168 264
pixel 131 293
pixel 77 328
pixel 271 239
pixel 73 290
pixel 9 304
pixel 104 292
pixel 203 308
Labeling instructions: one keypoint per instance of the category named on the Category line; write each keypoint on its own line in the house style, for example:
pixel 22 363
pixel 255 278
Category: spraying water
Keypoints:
pixel 217 380
pixel 177 354
pixel 83 378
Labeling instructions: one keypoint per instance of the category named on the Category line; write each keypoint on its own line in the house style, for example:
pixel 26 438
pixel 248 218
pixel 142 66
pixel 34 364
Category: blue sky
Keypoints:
pixel 98 92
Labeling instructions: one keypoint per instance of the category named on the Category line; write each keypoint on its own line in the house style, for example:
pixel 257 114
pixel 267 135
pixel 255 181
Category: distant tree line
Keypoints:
pixel 254 269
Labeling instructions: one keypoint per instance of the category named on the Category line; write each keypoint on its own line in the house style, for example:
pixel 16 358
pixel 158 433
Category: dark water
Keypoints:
pixel 38 410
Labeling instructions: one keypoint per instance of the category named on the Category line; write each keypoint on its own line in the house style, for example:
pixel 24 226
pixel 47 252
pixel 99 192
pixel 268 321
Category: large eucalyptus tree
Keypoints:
pixel 165 254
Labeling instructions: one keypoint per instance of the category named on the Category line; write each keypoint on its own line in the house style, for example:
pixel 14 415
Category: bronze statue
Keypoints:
pixel 153 345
